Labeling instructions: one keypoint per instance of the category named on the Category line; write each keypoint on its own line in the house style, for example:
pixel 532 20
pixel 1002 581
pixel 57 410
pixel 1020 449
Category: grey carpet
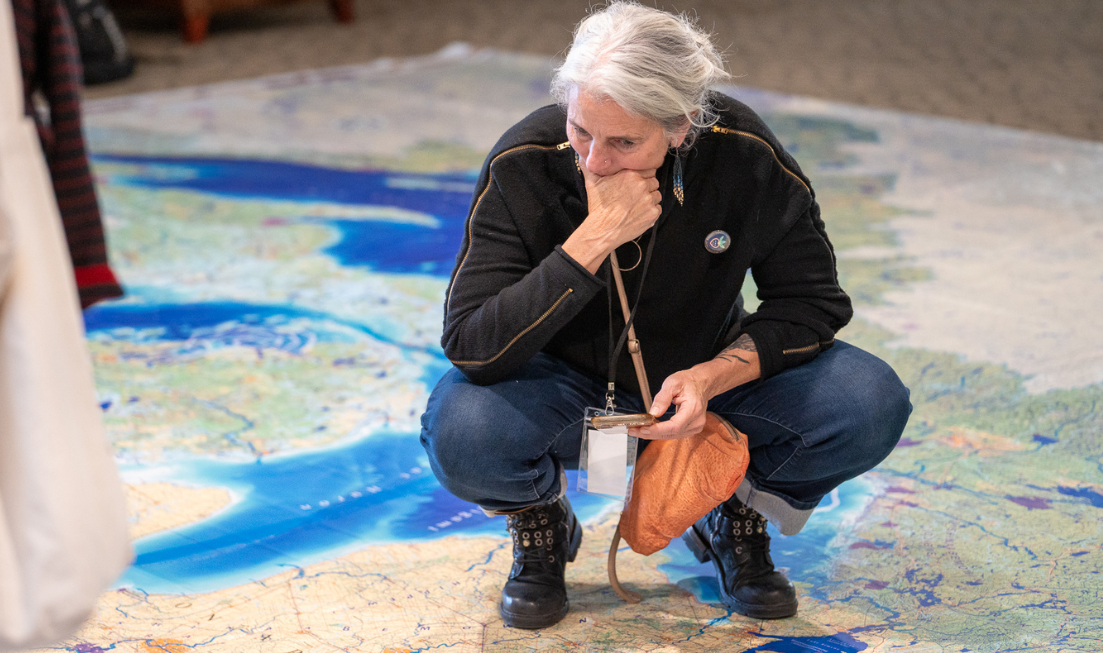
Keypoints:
pixel 1019 63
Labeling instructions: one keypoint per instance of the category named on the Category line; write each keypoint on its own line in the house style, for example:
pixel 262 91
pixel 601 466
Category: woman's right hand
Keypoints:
pixel 621 207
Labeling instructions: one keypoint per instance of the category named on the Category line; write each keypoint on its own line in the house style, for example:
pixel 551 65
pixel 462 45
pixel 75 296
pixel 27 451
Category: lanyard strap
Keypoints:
pixel 628 333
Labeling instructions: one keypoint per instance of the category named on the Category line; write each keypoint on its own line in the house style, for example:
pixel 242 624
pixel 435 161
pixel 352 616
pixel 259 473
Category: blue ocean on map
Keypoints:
pixel 299 509
pixel 295 509
pixel 385 246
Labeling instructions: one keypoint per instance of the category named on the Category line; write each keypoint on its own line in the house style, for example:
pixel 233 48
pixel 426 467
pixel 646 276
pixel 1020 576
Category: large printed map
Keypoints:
pixel 286 243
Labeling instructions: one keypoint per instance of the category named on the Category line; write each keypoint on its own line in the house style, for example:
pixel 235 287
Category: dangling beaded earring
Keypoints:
pixel 679 192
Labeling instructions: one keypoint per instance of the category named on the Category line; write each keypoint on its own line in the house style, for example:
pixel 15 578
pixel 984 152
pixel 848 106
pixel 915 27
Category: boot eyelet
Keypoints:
pixel 539 542
pixel 551 558
pixel 739 549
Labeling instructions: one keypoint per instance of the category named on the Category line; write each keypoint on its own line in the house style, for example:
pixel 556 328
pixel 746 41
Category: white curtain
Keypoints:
pixel 63 524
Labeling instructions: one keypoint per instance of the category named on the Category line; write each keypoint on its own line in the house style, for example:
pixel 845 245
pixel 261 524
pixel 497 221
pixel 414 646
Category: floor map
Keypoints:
pixel 286 243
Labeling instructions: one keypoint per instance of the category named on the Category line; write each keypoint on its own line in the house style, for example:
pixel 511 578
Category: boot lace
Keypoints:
pixel 533 535
pixel 748 530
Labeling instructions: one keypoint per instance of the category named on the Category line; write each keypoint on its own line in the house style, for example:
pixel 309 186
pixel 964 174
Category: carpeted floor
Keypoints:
pixel 286 242
pixel 1017 63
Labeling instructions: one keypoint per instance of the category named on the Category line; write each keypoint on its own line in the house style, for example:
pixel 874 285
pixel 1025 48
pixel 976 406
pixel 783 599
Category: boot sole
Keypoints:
pixel 536 622
pixel 531 622
pixel 703 553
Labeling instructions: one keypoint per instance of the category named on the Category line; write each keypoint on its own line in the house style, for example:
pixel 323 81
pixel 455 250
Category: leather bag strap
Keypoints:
pixel 645 391
pixel 633 342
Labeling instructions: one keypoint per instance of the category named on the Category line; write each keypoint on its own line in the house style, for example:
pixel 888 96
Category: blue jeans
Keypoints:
pixel 809 428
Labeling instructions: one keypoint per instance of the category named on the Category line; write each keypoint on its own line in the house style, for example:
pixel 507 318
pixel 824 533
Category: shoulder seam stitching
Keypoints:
pixel 475 209
pixel 725 130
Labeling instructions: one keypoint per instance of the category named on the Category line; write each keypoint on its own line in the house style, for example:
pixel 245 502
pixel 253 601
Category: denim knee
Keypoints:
pixel 881 406
pixel 455 432
pixel 493 445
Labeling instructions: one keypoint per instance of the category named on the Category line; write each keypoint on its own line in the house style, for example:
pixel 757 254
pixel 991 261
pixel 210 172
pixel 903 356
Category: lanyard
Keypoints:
pixel 614 350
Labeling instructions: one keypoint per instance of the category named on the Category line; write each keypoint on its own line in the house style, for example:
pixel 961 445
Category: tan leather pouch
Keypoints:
pixel 680 481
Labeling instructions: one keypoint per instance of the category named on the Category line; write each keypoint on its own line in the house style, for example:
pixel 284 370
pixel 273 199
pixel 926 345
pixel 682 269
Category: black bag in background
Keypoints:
pixel 103 50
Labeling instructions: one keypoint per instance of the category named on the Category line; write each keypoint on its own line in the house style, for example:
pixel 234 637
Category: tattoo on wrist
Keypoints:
pixel 742 343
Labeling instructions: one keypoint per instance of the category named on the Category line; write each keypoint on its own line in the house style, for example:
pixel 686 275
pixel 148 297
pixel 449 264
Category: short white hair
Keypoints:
pixel 653 64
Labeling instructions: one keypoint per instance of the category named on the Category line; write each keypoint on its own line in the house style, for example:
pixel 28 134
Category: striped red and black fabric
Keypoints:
pixel 50 59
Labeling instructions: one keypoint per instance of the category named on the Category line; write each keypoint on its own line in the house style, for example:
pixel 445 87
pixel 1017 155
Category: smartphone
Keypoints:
pixel 609 421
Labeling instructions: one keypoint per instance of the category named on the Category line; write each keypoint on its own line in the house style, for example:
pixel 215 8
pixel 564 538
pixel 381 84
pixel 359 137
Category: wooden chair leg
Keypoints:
pixel 343 10
pixel 195 27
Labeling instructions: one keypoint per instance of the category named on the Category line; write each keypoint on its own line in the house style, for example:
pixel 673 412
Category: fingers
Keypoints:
pixel 661 403
pixel 627 202
pixel 652 186
pixel 630 182
pixel 588 176
pixel 679 390
pixel 688 421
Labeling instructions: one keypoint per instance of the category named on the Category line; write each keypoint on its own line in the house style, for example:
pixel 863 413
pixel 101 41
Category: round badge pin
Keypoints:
pixel 717 242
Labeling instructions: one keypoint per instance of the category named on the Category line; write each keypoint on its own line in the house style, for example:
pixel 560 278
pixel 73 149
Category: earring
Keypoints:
pixel 679 192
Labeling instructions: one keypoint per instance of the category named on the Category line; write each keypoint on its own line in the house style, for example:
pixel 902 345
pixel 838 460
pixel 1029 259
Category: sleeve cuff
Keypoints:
pixel 571 273
pixel 768 344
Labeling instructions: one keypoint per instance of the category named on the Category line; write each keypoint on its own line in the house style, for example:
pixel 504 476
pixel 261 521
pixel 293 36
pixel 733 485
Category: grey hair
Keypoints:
pixel 653 64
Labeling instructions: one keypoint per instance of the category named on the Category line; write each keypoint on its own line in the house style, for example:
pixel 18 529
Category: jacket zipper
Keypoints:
pixel 725 130
pixel 519 335
pixel 479 201
pixel 805 350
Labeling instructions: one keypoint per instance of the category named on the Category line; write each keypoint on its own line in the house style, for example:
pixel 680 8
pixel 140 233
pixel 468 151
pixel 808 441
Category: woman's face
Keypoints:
pixel 608 139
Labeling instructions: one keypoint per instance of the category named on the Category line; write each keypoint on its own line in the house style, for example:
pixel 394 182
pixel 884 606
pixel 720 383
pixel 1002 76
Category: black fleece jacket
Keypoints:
pixel 514 292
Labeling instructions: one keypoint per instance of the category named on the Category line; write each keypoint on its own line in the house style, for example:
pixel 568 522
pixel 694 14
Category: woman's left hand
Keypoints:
pixel 686 391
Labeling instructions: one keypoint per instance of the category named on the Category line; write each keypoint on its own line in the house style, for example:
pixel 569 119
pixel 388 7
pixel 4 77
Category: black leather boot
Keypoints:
pixel 734 537
pixel 545 539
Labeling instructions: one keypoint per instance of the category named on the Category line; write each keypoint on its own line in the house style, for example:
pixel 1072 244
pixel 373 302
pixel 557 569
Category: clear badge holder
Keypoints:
pixel 607 462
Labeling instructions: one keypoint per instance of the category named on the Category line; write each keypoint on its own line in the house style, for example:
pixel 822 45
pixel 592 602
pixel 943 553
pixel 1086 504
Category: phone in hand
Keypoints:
pixel 610 421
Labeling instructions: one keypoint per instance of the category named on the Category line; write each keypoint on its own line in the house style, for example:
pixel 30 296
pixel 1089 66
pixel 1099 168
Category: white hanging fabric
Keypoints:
pixel 63 523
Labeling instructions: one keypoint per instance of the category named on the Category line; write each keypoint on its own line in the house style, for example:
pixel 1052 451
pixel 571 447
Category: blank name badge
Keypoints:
pixel 607 460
